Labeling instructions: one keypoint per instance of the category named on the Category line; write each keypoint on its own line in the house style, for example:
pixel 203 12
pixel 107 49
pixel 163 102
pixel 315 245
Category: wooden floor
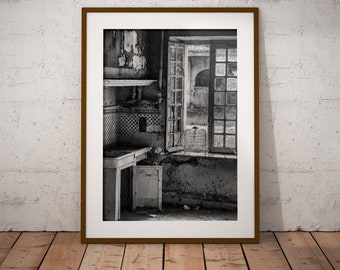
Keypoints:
pixel 63 250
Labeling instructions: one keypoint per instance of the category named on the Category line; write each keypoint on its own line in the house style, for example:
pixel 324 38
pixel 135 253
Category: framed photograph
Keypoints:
pixel 170 139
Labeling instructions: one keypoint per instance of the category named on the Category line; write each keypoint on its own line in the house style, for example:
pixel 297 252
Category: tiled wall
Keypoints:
pixel 121 125
pixel 110 126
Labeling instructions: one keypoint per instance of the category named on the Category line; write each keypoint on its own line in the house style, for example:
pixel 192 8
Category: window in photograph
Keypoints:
pixel 204 98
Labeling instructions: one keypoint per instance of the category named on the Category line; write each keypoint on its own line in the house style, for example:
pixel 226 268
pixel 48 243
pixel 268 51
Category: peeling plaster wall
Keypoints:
pixel 204 179
pixel 124 54
pixel 40 112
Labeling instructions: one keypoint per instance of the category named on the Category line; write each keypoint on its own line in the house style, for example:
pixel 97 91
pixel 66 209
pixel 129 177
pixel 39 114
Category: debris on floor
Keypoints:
pixel 178 212
pixel 186 207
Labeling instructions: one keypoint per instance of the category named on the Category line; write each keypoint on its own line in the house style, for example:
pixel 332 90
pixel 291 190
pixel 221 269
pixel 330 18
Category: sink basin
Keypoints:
pixel 116 153
pixel 125 157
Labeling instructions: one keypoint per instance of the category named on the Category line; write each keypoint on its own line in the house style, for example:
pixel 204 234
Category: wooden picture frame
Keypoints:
pixel 170 125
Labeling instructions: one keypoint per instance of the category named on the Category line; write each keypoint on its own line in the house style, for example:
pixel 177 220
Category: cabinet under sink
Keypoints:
pixel 146 181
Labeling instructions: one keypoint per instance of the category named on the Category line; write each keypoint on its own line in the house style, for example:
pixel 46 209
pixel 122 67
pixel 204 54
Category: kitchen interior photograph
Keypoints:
pixel 169 125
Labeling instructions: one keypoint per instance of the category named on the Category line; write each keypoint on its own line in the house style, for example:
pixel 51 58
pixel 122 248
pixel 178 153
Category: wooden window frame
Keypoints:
pixel 213 46
pixel 232 44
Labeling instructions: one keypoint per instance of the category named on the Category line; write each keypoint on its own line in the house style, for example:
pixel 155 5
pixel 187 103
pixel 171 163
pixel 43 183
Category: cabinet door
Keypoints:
pixel 147 187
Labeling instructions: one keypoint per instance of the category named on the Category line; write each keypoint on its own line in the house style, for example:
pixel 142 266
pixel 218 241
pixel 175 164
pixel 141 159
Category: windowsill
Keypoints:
pixel 125 82
pixel 205 154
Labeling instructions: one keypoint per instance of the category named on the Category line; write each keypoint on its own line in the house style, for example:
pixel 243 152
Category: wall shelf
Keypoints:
pixel 122 82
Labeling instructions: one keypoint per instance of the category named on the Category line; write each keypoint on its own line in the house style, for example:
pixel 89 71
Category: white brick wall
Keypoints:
pixel 40 112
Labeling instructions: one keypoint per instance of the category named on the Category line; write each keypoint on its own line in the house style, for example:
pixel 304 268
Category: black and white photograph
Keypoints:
pixel 170 131
pixel 170 122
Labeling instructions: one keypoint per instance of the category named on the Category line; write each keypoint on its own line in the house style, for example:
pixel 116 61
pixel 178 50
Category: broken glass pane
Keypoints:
pixel 232 69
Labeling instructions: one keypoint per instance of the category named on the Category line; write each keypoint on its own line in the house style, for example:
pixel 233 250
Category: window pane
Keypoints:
pixel 172 97
pixel 180 53
pixel 231 84
pixel 171 140
pixel 179 83
pixel 230 113
pixel 177 139
pixel 231 98
pixel 218 140
pixel 178 125
pixel 232 55
pixel 218 127
pixel 232 69
pixel 221 55
pixel 218 112
pixel 172 53
pixel 172 112
pixel 172 83
pixel 220 69
pixel 220 84
pixel 219 98
pixel 172 68
pixel 171 125
pixel 230 141
pixel 179 112
pixel 179 68
pixel 179 97
pixel 230 127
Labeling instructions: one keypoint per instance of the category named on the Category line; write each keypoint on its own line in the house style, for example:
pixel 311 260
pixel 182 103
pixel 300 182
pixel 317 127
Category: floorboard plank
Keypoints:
pixel 302 251
pixel 7 239
pixel 143 256
pixel 265 255
pixel 183 257
pixel 103 256
pixel 224 257
pixel 28 251
pixel 330 245
pixel 65 252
